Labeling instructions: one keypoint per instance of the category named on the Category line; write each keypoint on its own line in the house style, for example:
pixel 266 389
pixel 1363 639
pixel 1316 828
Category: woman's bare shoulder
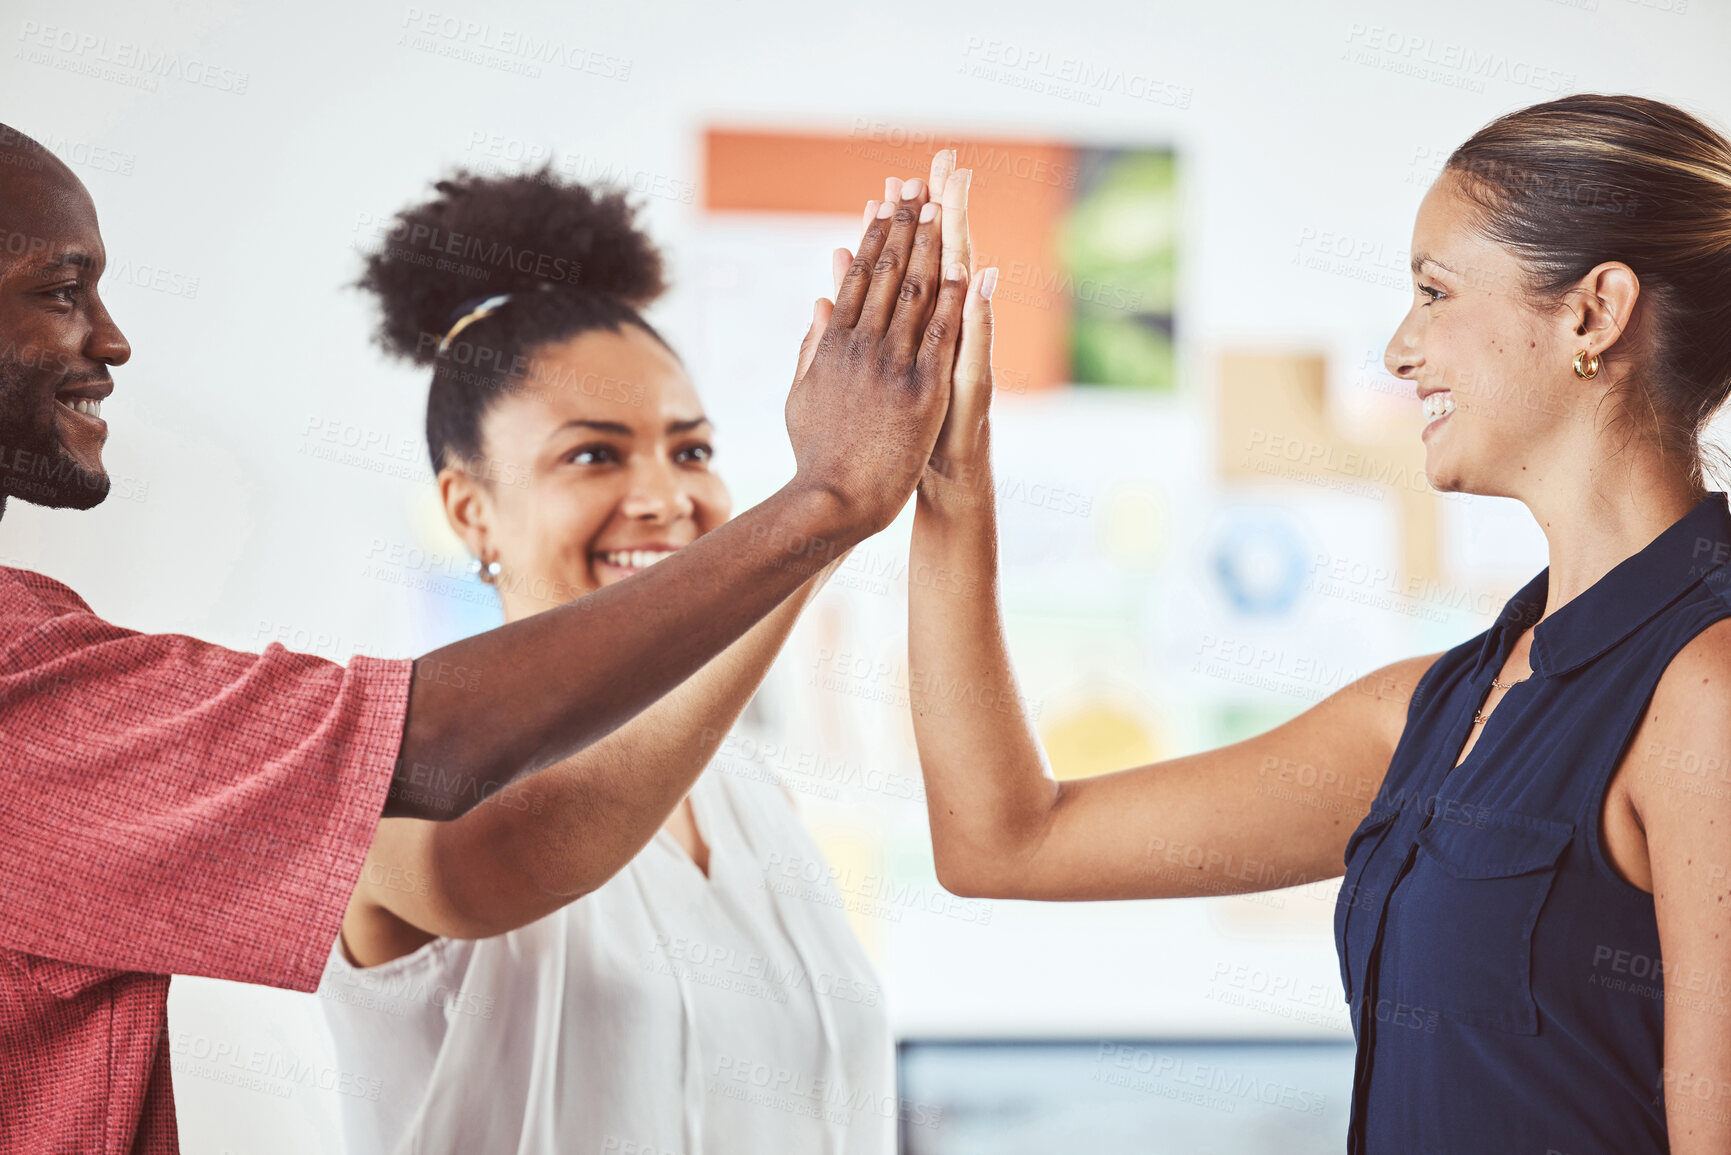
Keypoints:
pixel 1698 680
pixel 1686 729
pixel 1386 693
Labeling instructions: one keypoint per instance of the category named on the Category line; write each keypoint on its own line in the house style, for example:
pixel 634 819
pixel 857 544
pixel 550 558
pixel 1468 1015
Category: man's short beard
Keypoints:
pixel 34 465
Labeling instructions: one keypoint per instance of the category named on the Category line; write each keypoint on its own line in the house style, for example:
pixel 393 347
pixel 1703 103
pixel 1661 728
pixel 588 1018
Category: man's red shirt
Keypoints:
pixel 166 807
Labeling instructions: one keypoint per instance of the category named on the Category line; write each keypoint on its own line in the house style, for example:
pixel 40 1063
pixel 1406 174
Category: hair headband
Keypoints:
pixel 484 309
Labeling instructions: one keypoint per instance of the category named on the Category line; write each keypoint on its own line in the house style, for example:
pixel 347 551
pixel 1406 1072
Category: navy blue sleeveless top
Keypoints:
pixel 1504 981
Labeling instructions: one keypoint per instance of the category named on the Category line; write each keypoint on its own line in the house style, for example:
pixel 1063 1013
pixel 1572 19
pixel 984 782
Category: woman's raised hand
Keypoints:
pixel 960 460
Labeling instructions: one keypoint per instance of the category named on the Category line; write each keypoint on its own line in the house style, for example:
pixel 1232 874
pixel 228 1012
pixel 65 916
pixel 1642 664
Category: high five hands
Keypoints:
pixel 886 355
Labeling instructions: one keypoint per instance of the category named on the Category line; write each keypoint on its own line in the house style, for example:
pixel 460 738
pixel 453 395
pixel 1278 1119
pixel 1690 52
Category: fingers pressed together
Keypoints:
pixel 914 256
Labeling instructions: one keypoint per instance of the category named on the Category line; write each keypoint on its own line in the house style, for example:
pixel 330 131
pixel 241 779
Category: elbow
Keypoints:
pixel 987 859
pixel 966 879
pixel 563 887
pixel 957 880
pixel 526 903
pixel 564 863
pixel 472 928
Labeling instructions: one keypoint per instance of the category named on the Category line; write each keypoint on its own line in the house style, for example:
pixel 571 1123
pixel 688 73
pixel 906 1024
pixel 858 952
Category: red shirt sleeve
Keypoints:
pixel 174 807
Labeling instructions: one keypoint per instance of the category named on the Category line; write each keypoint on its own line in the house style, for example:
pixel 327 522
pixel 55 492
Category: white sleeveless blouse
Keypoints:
pixel 662 1014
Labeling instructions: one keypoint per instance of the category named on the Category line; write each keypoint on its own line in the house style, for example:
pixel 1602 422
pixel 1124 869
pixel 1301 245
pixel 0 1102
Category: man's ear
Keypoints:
pixel 467 508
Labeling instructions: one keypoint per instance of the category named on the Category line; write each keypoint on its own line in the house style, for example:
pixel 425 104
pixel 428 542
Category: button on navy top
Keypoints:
pixel 1503 978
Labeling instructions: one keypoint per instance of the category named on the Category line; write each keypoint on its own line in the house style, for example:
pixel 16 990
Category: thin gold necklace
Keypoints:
pixel 1479 716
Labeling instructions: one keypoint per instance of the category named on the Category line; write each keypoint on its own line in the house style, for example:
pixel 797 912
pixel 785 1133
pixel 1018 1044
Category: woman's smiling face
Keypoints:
pixel 1493 373
pixel 597 466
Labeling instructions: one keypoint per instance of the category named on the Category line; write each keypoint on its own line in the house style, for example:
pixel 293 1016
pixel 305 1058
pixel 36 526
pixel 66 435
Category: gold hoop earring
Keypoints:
pixel 1589 369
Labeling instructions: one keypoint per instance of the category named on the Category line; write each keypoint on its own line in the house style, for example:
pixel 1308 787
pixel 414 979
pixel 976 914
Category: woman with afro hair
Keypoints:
pixel 505 997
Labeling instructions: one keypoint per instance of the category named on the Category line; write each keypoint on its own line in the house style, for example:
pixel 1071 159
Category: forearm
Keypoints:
pixel 989 794
pixel 595 811
pixel 539 844
pixel 490 708
pixel 1697 1105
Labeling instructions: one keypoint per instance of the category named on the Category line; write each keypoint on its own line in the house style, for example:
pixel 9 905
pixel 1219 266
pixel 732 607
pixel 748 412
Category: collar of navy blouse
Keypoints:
pixel 1619 603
